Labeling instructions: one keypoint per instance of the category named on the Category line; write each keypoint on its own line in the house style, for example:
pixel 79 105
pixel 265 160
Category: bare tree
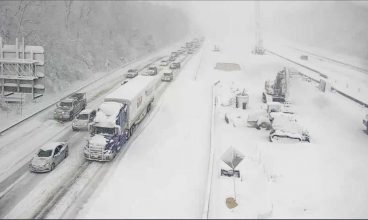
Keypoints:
pixel 68 9
pixel 22 7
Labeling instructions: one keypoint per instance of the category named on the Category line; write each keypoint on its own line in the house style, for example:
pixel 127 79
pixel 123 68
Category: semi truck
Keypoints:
pixel 69 107
pixel 118 116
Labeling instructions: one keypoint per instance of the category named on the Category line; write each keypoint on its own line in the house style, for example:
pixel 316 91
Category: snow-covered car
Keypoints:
pixel 152 70
pixel 132 73
pixel 259 119
pixel 167 76
pixel 83 119
pixel 286 129
pixel 175 65
pixel 164 63
pixel 49 156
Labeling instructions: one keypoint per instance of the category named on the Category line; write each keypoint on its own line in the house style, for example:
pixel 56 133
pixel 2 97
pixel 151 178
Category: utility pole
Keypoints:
pixel 258 49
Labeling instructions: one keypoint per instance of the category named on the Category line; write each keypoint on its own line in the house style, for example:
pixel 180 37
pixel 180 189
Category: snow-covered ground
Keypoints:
pixel 19 188
pixel 321 179
pixel 163 173
pixel 345 78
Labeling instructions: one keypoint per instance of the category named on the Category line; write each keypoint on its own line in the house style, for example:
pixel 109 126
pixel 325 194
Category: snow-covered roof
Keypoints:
pixel 107 113
pixel 34 49
pixel 285 122
pixel 15 61
pixel 127 92
pixel 51 145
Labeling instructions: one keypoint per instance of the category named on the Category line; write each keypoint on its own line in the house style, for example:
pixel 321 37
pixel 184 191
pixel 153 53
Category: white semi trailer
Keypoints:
pixel 118 116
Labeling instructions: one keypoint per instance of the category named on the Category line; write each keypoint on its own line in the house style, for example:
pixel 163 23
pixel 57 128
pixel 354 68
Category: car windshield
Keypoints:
pixel 152 68
pixel 65 104
pixel 167 74
pixel 131 71
pixel 83 117
pixel 104 131
pixel 44 153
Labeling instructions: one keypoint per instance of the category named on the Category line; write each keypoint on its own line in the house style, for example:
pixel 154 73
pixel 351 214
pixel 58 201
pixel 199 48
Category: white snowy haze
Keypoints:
pixel 338 26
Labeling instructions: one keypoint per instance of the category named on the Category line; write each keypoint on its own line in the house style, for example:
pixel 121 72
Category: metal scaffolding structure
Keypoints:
pixel 258 49
pixel 21 70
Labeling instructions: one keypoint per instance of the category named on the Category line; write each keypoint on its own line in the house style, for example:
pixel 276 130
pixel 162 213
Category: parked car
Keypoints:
pixel 49 156
pixel 83 119
pixel 69 107
pixel 132 73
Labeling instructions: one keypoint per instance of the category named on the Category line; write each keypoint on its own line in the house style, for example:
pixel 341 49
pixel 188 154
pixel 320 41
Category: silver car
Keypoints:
pixel 83 119
pixel 49 156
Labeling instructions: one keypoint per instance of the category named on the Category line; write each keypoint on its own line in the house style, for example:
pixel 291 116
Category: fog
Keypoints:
pixel 338 26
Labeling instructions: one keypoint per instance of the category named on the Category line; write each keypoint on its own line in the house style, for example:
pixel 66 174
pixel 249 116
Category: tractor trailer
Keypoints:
pixel 118 116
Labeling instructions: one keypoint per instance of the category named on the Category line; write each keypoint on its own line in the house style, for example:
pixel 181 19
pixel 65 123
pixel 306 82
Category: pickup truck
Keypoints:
pixel 71 106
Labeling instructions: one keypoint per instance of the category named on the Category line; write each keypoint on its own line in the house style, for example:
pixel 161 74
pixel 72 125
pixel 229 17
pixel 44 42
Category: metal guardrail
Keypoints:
pixel 316 80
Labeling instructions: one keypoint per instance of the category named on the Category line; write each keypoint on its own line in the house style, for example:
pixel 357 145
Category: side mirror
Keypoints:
pixel 117 130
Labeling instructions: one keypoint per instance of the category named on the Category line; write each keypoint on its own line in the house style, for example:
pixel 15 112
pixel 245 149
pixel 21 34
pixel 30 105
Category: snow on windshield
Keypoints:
pixel 104 131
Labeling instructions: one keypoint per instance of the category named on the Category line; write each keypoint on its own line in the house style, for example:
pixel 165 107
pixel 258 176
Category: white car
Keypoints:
pixel 83 119
pixel 49 156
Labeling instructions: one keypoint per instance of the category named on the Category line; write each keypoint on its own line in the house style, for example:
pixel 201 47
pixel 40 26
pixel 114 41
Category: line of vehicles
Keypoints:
pixel 112 124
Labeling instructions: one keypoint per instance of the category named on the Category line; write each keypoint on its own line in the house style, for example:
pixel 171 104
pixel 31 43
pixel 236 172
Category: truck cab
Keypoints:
pixel 106 132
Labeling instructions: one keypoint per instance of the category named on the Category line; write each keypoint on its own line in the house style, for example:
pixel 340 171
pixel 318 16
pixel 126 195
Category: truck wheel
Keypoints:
pixel 131 130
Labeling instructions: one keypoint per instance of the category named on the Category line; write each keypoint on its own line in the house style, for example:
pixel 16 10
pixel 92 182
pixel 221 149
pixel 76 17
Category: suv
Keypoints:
pixel 132 73
pixel 83 119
